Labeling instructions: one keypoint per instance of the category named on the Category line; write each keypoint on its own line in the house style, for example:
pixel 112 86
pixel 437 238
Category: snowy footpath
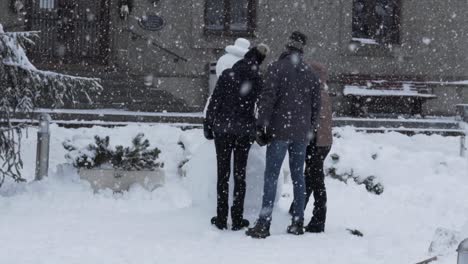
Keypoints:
pixel 60 220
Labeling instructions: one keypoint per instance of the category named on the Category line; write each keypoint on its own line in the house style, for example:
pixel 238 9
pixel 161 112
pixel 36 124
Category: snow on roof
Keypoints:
pixel 459 82
pixel 365 91
pixel 427 119
pixel 366 41
pixel 462 82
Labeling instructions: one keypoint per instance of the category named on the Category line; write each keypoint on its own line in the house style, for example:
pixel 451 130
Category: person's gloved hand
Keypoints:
pixel 208 131
pixel 261 136
pixel 312 136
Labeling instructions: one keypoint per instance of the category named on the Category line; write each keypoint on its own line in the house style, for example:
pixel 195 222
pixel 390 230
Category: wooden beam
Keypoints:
pixel 428 260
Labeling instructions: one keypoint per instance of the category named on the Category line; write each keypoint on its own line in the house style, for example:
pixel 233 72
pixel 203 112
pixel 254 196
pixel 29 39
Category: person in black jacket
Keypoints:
pixel 287 112
pixel 230 121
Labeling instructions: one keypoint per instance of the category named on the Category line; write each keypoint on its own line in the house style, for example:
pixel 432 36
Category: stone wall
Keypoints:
pixel 434 44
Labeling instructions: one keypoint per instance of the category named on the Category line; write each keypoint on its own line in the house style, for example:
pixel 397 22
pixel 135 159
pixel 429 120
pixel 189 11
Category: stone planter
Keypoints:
pixel 120 180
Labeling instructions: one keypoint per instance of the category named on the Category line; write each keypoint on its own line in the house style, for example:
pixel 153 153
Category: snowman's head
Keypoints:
pixel 240 47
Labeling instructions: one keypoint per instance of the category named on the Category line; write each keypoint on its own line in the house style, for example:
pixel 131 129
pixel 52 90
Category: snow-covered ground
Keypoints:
pixel 61 220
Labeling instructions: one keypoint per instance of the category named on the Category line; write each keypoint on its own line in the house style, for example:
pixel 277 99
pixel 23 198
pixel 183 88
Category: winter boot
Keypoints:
pixel 260 230
pixel 315 228
pixel 296 227
pixel 219 224
pixel 238 225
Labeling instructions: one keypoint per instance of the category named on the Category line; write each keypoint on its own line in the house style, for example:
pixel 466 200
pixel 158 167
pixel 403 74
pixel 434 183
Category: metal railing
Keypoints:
pixel 43 136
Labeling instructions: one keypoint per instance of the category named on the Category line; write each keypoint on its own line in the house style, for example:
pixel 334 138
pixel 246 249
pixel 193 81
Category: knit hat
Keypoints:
pixel 297 41
pixel 263 49
pixel 259 53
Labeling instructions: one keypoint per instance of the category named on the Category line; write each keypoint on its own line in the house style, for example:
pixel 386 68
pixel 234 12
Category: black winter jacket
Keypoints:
pixel 232 104
pixel 290 100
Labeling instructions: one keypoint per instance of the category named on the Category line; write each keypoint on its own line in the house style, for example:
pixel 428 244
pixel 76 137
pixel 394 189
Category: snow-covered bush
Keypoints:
pixel 371 182
pixel 22 86
pixel 189 144
pixel 101 155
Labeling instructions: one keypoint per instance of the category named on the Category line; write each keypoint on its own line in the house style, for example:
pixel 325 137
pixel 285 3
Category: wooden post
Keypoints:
pixel 427 260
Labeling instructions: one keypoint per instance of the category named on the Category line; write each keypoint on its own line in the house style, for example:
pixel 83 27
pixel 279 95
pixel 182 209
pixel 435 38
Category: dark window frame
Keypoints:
pixel 227 31
pixel 394 37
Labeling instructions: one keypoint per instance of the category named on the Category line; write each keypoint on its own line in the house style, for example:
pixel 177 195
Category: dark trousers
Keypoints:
pixel 226 145
pixel 315 183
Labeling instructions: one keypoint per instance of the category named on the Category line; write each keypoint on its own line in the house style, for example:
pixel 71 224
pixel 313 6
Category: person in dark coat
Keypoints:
pixel 316 153
pixel 287 111
pixel 230 121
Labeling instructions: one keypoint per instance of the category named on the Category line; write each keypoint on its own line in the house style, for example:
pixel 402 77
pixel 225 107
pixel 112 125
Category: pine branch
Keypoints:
pixel 21 34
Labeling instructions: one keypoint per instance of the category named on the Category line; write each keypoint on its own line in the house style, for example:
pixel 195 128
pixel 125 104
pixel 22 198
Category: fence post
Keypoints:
pixel 42 152
pixel 212 78
pixel 463 146
pixel 462 117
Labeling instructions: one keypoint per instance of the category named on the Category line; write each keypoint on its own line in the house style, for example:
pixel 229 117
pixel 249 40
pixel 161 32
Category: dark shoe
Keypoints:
pixel 315 228
pixel 260 230
pixel 296 228
pixel 236 225
pixel 219 224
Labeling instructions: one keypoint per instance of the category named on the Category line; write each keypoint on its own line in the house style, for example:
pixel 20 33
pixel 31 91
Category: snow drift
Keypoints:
pixel 61 220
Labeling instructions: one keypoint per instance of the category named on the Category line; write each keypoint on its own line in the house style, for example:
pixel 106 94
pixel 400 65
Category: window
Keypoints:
pixel 376 20
pixel 47 4
pixel 71 31
pixel 230 16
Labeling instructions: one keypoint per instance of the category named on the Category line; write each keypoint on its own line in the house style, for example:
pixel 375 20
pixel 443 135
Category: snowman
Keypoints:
pixel 234 53
pixel 201 177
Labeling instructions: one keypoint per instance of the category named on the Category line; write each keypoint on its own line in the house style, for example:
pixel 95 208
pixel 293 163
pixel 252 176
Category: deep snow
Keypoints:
pixel 60 220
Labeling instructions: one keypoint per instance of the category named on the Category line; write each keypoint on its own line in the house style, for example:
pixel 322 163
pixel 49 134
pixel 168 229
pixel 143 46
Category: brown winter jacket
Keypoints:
pixel 324 127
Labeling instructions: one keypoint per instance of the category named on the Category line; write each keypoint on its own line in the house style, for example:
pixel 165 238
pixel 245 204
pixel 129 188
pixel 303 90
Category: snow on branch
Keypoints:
pixel 22 86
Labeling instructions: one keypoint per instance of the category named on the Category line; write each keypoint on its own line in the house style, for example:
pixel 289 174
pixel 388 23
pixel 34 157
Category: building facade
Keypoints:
pixel 384 56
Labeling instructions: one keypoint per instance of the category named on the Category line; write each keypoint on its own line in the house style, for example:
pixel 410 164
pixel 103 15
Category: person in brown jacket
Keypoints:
pixel 316 153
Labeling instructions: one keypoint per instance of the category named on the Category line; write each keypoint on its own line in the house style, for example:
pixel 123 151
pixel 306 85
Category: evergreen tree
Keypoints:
pixel 136 157
pixel 22 86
